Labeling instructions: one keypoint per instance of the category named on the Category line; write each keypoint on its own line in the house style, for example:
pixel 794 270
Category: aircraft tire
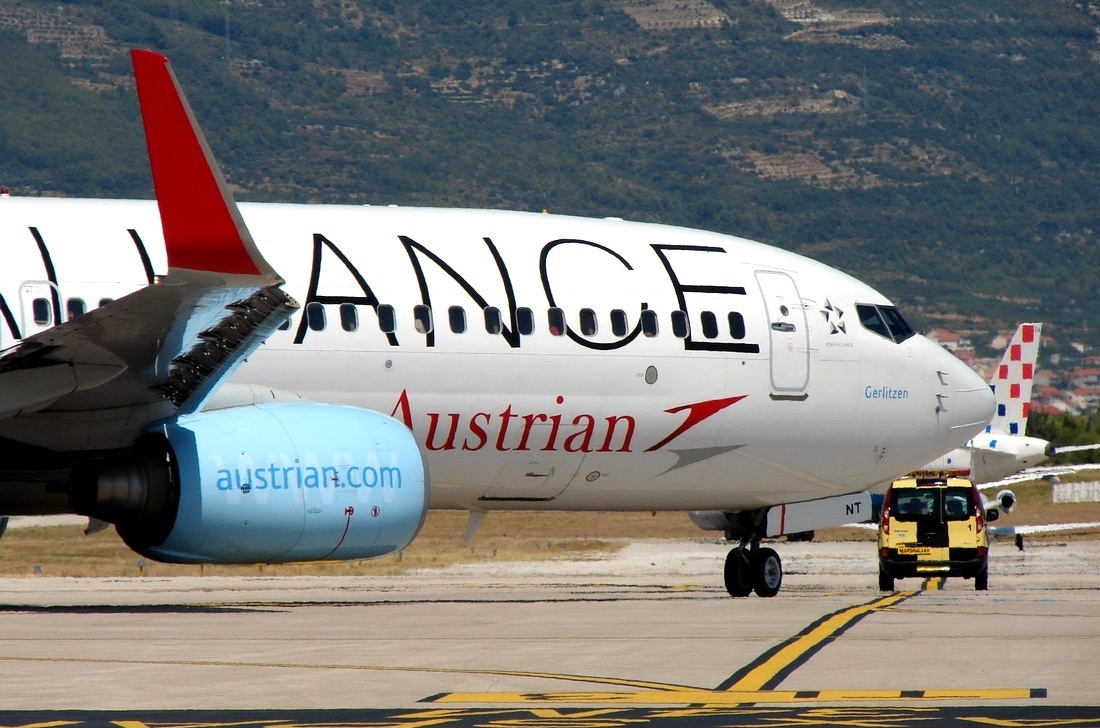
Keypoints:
pixel 767 572
pixel 885 581
pixel 981 580
pixel 737 575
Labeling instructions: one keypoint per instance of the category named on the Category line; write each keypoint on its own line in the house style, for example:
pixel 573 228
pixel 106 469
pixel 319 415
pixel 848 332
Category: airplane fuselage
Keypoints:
pixel 688 369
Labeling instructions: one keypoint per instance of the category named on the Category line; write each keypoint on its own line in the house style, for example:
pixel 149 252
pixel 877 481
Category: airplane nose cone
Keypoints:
pixel 970 405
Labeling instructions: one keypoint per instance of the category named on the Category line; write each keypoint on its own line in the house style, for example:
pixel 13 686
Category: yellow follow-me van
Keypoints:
pixel 933 527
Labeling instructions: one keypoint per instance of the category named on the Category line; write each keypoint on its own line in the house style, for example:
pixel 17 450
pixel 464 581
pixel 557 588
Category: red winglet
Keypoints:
pixel 203 229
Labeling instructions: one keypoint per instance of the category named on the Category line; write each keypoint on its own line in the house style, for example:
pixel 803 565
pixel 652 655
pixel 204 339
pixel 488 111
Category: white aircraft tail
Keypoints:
pixel 1011 382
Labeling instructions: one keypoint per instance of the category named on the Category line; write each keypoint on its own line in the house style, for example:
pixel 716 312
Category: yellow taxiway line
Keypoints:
pixel 768 670
pixel 738 697
pixel 756 682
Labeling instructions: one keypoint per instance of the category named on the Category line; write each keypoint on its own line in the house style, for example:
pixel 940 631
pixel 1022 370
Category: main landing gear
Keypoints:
pixel 750 568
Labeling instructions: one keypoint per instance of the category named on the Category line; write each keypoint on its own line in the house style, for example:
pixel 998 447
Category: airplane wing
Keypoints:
pixel 1009 530
pixel 1045 528
pixel 96 382
pixel 1075 448
pixel 1049 471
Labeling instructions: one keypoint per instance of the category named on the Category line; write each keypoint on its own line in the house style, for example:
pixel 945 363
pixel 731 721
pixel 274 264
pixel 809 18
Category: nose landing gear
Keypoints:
pixel 750 568
pixel 757 570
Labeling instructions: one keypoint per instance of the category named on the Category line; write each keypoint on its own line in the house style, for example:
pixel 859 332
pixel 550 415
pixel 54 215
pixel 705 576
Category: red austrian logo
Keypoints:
pixel 509 430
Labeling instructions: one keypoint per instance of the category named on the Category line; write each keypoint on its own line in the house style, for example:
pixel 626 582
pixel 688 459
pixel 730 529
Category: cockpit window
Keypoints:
pixel 899 327
pixel 871 320
pixel 886 321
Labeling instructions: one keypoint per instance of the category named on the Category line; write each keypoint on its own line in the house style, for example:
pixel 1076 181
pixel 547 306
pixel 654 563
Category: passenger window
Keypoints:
pixel 870 319
pixel 555 319
pixel 315 316
pixel 710 324
pixel 618 322
pixel 456 315
pixel 649 322
pixel 422 319
pixel 525 321
pixel 349 317
pixel 680 325
pixel 75 307
pixel 285 325
pixel 105 301
pixel 737 325
pixel 493 322
pixel 40 309
pixel 387 319
pixel 588 322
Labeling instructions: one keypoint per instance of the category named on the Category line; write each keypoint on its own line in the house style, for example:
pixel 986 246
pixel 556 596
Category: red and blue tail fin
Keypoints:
pixel 1012 380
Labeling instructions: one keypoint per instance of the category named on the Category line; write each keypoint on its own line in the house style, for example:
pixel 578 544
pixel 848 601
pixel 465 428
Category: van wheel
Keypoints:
pixel 981 580
pixel 885 581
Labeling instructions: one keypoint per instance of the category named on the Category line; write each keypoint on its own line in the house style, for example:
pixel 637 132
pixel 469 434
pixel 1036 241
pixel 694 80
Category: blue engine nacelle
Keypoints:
pixel 265 484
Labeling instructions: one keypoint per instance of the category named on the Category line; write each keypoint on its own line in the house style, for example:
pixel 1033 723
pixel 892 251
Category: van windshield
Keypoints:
pixel 934 503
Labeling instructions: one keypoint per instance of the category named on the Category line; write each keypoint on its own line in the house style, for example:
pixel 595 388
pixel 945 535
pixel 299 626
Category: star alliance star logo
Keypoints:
pixel 834 317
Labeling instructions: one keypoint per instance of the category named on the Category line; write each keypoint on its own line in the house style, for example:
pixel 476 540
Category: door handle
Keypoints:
pixel 783 326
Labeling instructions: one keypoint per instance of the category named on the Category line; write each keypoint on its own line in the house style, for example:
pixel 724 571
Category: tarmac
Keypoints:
pixel 648 631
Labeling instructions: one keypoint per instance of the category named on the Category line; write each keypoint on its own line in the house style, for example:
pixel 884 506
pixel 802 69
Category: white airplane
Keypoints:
pixel 1002 449
pixel 995 457
pixel 156 373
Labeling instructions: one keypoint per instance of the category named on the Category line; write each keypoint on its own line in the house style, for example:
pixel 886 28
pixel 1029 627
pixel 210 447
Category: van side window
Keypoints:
pixel 680 325
pixel 422 319
pixel 618 322
pixel 349 317
pixel 555 319
pixel 649 323
pixel 710 324
pixel 456 315
pixel 75 307
pixel 387 319
pixel 493 322
pixel 588 322
pixel 525 320
pixel 315 316
pixel 737 325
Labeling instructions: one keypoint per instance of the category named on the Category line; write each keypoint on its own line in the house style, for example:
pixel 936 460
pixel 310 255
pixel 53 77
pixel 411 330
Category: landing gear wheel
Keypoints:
pixel 981 580
pixel 767 572
pixel 885 581
pixel 737 574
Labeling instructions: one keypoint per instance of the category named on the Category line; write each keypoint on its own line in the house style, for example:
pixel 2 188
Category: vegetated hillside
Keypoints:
pixel 948 153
